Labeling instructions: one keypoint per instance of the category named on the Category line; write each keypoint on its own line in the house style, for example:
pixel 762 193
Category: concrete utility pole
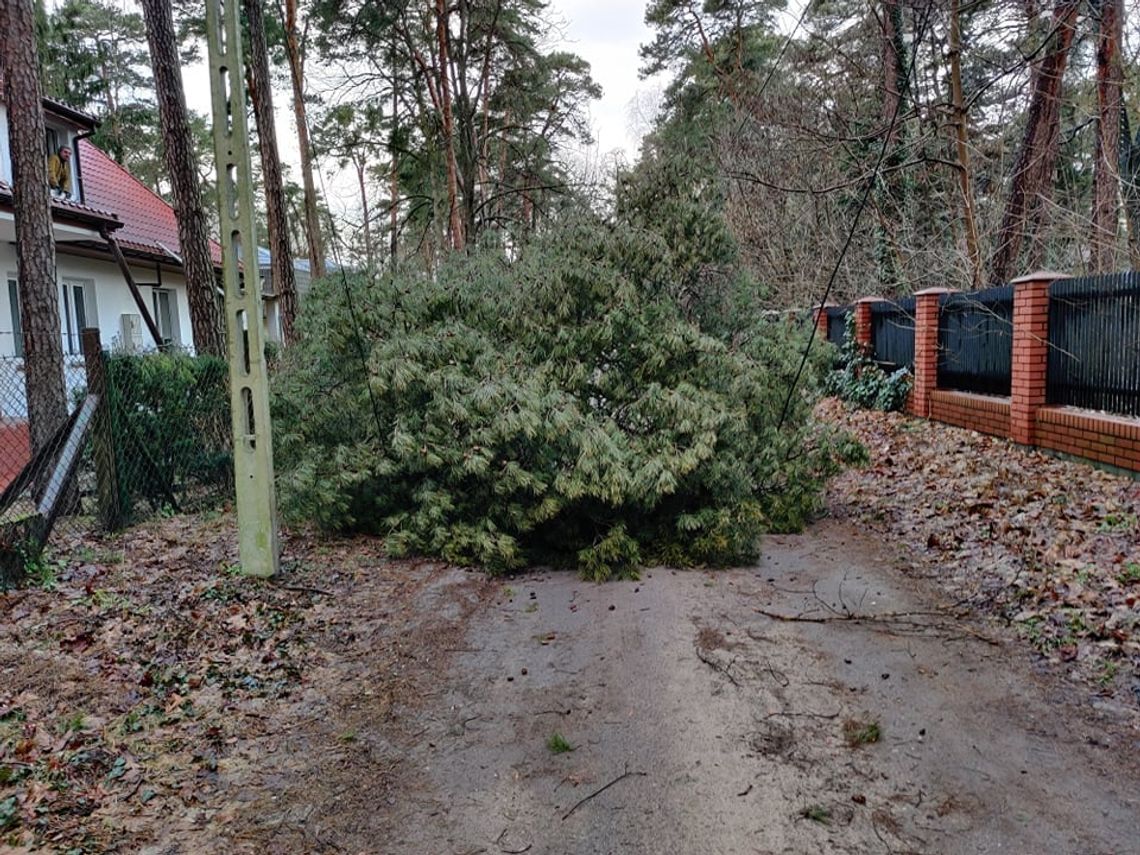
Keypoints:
pixel 249 380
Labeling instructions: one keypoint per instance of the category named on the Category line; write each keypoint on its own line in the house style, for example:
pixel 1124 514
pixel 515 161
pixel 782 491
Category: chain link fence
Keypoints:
pixel 169 416
pixel 42 488
pixel 147 434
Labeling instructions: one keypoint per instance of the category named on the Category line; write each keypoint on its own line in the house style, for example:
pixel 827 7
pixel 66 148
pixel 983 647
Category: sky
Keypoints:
pixel 606 33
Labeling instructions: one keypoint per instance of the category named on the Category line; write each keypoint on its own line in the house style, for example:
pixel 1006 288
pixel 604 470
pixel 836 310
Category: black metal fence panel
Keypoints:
pixel 892 331
pixel 975 341
pixel 1094 343
pixel 837 324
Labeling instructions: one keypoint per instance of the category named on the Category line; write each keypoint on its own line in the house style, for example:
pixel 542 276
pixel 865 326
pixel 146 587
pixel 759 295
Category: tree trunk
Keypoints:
pixel 300 114
pixel 394 173
pixel 1106 182
pixel 281 271
pixel 369 250
pixel 35 243
pixel 973 253
pixel 1032 178
pixel 891 195
pixel 1130 181
pixel 467 132
pixel 181 163
pixel 454 217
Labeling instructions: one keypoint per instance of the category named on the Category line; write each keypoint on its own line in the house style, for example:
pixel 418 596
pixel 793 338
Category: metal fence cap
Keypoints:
pixel 938 290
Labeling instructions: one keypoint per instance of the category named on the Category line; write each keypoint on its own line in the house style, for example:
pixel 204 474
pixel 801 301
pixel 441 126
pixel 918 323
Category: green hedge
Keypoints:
pixel 170 417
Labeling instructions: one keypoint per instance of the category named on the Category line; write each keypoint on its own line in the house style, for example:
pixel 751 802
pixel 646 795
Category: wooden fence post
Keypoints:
pixel 103 442
pixel 1030 353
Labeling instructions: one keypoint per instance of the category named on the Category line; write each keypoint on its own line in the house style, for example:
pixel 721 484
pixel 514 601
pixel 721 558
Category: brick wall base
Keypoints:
pixel 16 443
pixel 1095 436
pixel 983 413
pixel 1106 438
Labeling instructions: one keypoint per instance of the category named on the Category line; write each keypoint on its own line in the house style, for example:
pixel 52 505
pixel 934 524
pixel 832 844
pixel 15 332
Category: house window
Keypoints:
pixel 166 315
pixel 78 310
pixel 17 322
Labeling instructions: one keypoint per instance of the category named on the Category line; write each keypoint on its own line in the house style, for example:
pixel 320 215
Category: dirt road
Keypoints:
pixel 701 725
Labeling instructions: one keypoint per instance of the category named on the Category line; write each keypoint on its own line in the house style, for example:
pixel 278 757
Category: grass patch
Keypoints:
pixel 817 813
pixel 1108 672
pixel 1117 523
pixel 858 733
pixel 557 744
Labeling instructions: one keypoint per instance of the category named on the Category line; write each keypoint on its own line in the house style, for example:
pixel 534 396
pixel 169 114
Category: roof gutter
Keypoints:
pixel 178 258
pixel 79 137
pixel 70 113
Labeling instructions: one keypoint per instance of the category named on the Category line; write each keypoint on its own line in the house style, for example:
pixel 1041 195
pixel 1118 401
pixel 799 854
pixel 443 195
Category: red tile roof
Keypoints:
pixel 149 224
pixel 78 210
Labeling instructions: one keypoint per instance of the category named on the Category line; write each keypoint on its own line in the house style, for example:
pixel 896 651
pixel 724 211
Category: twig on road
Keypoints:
pixel 303 589
pixel 502 848
pixel 889 618
pixel 802 715
pixel 600 790
pixel 779 676
pixel 717 666
pixel 884 617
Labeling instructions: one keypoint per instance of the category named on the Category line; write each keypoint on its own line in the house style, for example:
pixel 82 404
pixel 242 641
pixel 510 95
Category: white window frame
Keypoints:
pixel 65 137
pixel 168 328
pixel 73 319
pixel 5 155
pixel 17 331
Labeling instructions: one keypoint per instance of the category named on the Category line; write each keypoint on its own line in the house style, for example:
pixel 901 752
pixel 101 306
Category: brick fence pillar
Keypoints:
pixel 1030 353
pixel 863 334
pixel 925 349
pixel 821 319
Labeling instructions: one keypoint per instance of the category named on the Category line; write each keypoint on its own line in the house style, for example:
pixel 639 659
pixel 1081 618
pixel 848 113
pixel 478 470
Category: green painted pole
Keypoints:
pixel 259 547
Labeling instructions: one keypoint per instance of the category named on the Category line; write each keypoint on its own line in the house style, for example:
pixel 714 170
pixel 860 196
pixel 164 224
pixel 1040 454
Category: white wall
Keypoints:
pixel 66 136
pixel 112 298
pixel 5 157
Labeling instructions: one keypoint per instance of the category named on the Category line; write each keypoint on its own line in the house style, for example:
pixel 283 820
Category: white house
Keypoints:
pixel 270 306
pixel 105 201
pixel 106 204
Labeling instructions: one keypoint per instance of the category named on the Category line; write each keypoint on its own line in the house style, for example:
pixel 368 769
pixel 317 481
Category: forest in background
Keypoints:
pixel 997 135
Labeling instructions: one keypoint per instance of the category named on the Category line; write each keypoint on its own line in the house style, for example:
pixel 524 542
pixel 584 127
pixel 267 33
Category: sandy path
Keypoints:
pixel 730 724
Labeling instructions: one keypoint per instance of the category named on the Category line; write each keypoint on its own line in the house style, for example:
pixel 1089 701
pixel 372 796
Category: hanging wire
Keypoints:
pixel 872 179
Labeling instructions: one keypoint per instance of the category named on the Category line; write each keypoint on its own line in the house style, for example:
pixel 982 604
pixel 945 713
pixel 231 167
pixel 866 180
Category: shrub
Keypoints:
pixel 558 407
pixel 171 422
pixel 859 380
